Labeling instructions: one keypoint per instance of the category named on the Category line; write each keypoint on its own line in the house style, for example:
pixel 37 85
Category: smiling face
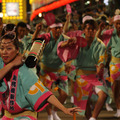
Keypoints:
pixel 8 50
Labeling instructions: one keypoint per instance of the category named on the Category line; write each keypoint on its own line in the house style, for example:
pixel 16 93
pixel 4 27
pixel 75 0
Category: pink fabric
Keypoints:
pixel 116 17
pixel 81 42
pixel 51 77
pixel 75 33
pixel 39 101
pixel 84 89
pixel 70 52
pixel 56 25
pixel 50 81
pixel 92 79
pixel 68 8
pixel 50 18
pixel 46 37
pixel 7 105
pixel 107 36
pixel 67 53
pixel 6 118
pixel 72 67
pixel 87 18
pixel 79 94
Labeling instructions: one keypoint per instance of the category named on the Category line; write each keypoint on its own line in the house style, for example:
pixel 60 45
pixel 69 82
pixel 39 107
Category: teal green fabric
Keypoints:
pixel 50 57
pixel 26 79
pixel 21 46
pixel 27 41
pixel 72 74
pixel 22 118
pixel 88 57
pixel 114 44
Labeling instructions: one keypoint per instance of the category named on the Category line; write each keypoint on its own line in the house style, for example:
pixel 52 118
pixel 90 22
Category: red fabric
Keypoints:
pixel 107 36
pixel 50 18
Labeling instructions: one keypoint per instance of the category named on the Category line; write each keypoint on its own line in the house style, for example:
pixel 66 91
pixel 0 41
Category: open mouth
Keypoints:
pixel 5 57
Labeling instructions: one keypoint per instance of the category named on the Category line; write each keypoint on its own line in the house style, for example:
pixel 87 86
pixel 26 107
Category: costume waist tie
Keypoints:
pixel 115 60
pixel 45 68
pixel 25 113
pixel 85 72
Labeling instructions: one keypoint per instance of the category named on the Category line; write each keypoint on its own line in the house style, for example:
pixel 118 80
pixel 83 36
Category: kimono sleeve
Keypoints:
pixel 106 36
pixel 35 92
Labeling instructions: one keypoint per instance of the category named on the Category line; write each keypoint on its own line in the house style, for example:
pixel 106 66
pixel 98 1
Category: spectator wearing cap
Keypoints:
pixel 111 38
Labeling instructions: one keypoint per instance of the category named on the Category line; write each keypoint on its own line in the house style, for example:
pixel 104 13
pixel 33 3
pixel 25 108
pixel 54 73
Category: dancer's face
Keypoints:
pixel 89 31
pixel 117 25
pixel 56 32
pixel 8 50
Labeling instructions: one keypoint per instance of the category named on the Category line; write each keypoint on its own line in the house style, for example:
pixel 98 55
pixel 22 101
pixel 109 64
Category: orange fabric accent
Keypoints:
pixel 115 60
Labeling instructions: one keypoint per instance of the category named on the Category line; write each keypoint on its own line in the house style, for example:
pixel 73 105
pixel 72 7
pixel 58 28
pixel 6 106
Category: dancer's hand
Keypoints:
pixel 17 61
pixel 71 111
pixel 38 27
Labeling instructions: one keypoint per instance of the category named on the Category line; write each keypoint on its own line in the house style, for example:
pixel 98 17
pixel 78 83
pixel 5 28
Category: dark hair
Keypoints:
pixel 90 22
pixel 20 24
pixel 58 21
pixel 12 37
pixel 8 27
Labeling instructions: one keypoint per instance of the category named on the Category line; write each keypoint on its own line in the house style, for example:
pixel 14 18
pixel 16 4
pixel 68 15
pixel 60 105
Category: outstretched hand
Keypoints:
pixel 72 41
pixel 71 111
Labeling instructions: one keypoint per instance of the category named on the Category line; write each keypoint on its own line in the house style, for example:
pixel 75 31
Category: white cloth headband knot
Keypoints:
pixel 87 18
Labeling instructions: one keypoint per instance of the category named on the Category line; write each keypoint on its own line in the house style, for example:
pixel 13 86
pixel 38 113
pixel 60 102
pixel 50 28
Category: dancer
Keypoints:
pixel 90 61
pixel 52 67
pixel 111 38
pixel 21 92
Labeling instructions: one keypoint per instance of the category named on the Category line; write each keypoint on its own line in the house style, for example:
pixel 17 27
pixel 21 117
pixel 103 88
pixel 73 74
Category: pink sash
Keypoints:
pixel 83 88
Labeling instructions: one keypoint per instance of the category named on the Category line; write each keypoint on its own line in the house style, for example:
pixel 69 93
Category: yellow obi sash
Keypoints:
pixel 44 67
pixel 25 113
pixel 115 60
pixel 85 72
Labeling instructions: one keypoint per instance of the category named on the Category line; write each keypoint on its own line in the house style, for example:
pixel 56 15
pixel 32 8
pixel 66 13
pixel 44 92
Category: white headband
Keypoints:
pixel 87 18
pixel 56 25
pixel 116 17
